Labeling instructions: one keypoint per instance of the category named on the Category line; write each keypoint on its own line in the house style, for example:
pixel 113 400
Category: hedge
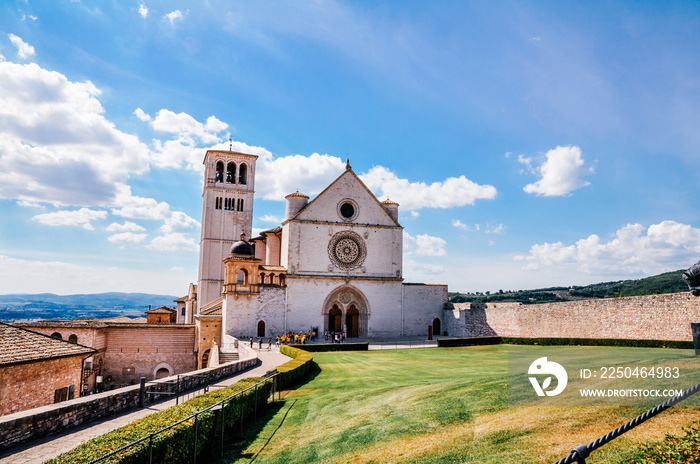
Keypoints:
pixel 176 445
pixel 363 346
pixel 292 372
pixel 672 450
pixel 550 341
pixel 623 342
pixel 471 341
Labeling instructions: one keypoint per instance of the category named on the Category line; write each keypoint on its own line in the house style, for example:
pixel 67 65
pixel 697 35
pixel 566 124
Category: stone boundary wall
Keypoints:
pixel 35 423
pixel 652 317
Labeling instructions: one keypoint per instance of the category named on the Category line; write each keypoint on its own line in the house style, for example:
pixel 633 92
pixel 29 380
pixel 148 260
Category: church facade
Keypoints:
pixel 335 263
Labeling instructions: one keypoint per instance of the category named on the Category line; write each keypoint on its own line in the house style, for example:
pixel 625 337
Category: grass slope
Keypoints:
pixel 431 405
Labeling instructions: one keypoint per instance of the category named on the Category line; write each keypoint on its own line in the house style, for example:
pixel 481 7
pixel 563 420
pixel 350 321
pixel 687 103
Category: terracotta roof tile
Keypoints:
pixel 18 345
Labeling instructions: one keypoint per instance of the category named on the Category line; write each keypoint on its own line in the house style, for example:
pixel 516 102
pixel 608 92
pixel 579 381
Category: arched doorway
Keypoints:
pixel 162 373
pixel 261 329
pixel 335 319
pixel 346 308
pixel 436 327
pixel 352 320
pixel 205 359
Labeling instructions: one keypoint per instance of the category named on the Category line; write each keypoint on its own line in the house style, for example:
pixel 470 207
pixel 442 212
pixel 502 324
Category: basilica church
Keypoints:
pixel 334 264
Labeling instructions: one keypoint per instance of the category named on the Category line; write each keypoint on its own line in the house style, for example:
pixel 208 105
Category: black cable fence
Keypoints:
pixel 581 452
pixel 202 430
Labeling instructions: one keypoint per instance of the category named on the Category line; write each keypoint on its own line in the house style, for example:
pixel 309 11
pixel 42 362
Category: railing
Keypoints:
pixel 581 452
pixel 218 408
pixel 239 288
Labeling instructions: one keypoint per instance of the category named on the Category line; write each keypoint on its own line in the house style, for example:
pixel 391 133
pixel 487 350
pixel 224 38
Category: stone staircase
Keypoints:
pixel 227 357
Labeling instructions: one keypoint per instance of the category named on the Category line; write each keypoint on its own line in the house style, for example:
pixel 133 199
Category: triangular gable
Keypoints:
pixel 324 207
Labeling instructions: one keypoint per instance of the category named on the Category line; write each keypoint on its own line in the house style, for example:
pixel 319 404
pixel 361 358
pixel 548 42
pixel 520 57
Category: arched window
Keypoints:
pixel 261 328
pixel 73 338
pixel 242 277
pixel 262 277
pixel 219 171
pixel 282 279
pixel 243 174
pixel 205 359
pixel 57 336
pixel 231 173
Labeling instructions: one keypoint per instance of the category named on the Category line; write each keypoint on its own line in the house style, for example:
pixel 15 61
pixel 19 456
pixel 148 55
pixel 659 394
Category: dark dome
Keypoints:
pixel 242 248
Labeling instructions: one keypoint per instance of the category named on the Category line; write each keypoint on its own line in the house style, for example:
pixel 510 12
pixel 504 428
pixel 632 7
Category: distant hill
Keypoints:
pixel 669 282
pixel 48 306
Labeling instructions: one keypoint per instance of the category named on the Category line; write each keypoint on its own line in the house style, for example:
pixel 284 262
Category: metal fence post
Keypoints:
pixel 255 404
pixel 196 429
pixel 223 425
pixel 150 448
pixel 177 396
pixel 142 391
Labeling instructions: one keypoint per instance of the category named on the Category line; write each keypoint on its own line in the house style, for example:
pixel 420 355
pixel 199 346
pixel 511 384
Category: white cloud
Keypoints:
pixel 174 16
pixel 560 173
pixel 24 50
pixel 278 177
pixel 55 144
pixel 173 242
pixel 81 217
pixel 415 214
pixel 179 221
pixel 135 207
pixel 143 10
pixel 453 191
pixel 30 204
pixel 498 230
pixel 139 113
pixel 415 271
pixel 128 226
pixel 127 237
pixel 184 124
pixel 459 224
pixel 270 218
pixel 634 250
pixel 423 245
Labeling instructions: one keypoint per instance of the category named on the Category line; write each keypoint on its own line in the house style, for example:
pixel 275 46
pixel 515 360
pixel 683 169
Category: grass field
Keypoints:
pixel 435 405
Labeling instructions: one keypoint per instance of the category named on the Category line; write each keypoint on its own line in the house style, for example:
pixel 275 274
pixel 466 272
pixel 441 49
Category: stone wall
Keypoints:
pixel 134 352
pixel 653 317
pixel 35 423
pixel 422 304
pixel 30 385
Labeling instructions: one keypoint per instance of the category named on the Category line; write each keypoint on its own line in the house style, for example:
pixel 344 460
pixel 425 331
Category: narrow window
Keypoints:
pixel 240 204
pixel 231 173
pixel 73 338
pixel 242 277
pixel 243 174
pixel 219 171
pixel 262 277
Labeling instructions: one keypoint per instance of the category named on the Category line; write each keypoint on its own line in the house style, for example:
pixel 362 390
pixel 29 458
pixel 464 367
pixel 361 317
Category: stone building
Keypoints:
pixel 126 350
pixel 335 264
pixel 37 369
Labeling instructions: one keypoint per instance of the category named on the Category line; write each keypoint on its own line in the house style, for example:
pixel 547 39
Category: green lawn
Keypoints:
pixel 432 405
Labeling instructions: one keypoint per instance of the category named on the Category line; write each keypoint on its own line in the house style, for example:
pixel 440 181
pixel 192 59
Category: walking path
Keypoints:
pixel 49 447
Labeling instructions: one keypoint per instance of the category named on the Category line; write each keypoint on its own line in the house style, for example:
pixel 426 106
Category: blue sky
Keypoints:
pixel 529 144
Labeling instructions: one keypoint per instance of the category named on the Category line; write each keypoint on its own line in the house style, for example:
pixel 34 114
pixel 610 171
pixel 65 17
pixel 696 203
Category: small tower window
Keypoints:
pixel 242 277
pixel 240 204
pixel 262 277
pixel 243 174
pixel 218 203
pixel 219 171
pixel 231 173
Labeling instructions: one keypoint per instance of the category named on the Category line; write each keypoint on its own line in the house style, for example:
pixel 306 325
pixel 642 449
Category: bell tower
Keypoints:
pixel 227 212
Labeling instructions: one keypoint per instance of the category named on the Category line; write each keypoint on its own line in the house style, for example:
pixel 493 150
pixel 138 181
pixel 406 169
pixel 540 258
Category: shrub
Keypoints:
pixel 363 346
pixel 672 450
pixel 176 444
pixel 291 372
pixel 551 341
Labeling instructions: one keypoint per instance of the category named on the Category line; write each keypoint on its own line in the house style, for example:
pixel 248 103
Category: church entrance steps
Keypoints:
pixel 225 357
